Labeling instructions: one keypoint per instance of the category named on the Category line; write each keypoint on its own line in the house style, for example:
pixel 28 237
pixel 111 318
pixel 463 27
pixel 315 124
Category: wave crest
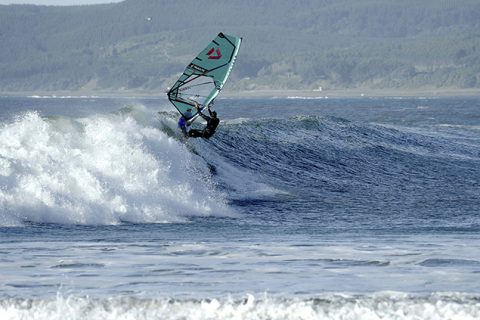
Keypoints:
pixel 328 306
pixel 100 170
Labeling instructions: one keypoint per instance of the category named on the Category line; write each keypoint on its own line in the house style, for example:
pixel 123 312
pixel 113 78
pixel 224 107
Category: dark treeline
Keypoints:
pixel 295 44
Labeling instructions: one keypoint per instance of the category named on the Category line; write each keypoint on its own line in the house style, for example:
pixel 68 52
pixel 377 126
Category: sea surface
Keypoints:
pixel 297 208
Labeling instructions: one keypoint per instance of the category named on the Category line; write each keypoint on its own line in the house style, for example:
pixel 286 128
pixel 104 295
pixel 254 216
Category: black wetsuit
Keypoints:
pixel 212 124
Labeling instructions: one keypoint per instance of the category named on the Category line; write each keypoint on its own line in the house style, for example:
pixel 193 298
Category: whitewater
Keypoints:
pixel 298 208
pixel 99 170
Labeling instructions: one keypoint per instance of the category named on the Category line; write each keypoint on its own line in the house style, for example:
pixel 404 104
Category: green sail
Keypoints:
pixel 205 76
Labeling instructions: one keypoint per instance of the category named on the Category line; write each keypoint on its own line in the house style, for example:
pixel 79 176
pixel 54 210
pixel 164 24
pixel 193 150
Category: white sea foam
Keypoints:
pixel 459 126
pixel 60 97
pixel 339 306
pixel 307 98
pixel 99 170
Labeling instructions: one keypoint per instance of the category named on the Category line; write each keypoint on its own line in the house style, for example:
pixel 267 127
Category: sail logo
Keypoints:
pixel 197 68
pixel 214 54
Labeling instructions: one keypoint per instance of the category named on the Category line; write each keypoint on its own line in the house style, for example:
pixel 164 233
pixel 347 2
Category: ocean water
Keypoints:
pixel 361 208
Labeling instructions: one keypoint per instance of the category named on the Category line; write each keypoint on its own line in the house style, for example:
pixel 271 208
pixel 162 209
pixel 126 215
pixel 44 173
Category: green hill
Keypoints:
pixel 288 44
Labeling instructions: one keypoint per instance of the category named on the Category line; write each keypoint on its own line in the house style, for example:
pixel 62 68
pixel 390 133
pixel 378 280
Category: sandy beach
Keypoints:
pixel 355 92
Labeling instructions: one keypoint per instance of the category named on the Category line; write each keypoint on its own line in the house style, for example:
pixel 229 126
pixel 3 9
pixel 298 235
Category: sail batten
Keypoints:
pixel 205 76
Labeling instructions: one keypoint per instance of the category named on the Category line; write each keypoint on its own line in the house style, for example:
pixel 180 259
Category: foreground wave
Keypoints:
pixel 132 166
pixel 328 306
pixel 102 169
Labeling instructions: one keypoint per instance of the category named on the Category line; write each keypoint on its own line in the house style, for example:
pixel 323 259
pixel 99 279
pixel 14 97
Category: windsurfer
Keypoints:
pixel 212 124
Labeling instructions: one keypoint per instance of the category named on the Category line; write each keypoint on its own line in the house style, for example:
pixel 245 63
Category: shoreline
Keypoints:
pixel 354 93
pixel 338 93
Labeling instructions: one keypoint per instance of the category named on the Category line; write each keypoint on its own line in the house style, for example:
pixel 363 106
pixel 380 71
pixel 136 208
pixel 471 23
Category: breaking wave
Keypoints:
pixel 331 306
pixel 101 169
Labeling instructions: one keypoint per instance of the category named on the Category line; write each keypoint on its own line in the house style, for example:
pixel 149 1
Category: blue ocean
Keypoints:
pixel 297 208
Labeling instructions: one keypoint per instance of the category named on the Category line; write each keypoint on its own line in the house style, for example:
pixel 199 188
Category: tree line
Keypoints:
pixel 288 44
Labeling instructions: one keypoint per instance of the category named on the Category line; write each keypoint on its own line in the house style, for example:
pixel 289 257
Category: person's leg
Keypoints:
pixel 208 133
pixel 194 133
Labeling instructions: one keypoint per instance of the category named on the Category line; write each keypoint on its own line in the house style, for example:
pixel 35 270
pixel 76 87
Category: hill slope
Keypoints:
pixel 294 44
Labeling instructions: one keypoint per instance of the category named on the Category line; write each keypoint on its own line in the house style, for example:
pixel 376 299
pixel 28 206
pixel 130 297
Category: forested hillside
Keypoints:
pixel 288 44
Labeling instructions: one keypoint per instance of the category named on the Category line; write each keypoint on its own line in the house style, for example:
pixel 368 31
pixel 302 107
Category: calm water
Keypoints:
pixel 296 209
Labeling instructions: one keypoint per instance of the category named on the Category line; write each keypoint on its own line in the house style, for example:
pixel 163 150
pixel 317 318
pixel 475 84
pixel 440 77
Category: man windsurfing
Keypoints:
pixel 201 82
pixel 212 124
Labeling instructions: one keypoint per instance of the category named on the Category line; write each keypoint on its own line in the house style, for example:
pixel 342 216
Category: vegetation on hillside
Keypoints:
pixel 288 44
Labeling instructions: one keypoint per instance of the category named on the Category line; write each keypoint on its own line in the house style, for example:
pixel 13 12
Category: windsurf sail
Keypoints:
pixel 205 76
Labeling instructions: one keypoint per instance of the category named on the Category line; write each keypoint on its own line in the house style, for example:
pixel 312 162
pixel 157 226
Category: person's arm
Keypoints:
pixel 210 112
pixel 204 116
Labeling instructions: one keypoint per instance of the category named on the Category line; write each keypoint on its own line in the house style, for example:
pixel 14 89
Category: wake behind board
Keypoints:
pixel 204 77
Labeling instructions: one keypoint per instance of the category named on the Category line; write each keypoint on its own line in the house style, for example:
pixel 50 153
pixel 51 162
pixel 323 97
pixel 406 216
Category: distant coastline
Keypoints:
pixel 346 93
pixel 431 47
pixel 356 93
